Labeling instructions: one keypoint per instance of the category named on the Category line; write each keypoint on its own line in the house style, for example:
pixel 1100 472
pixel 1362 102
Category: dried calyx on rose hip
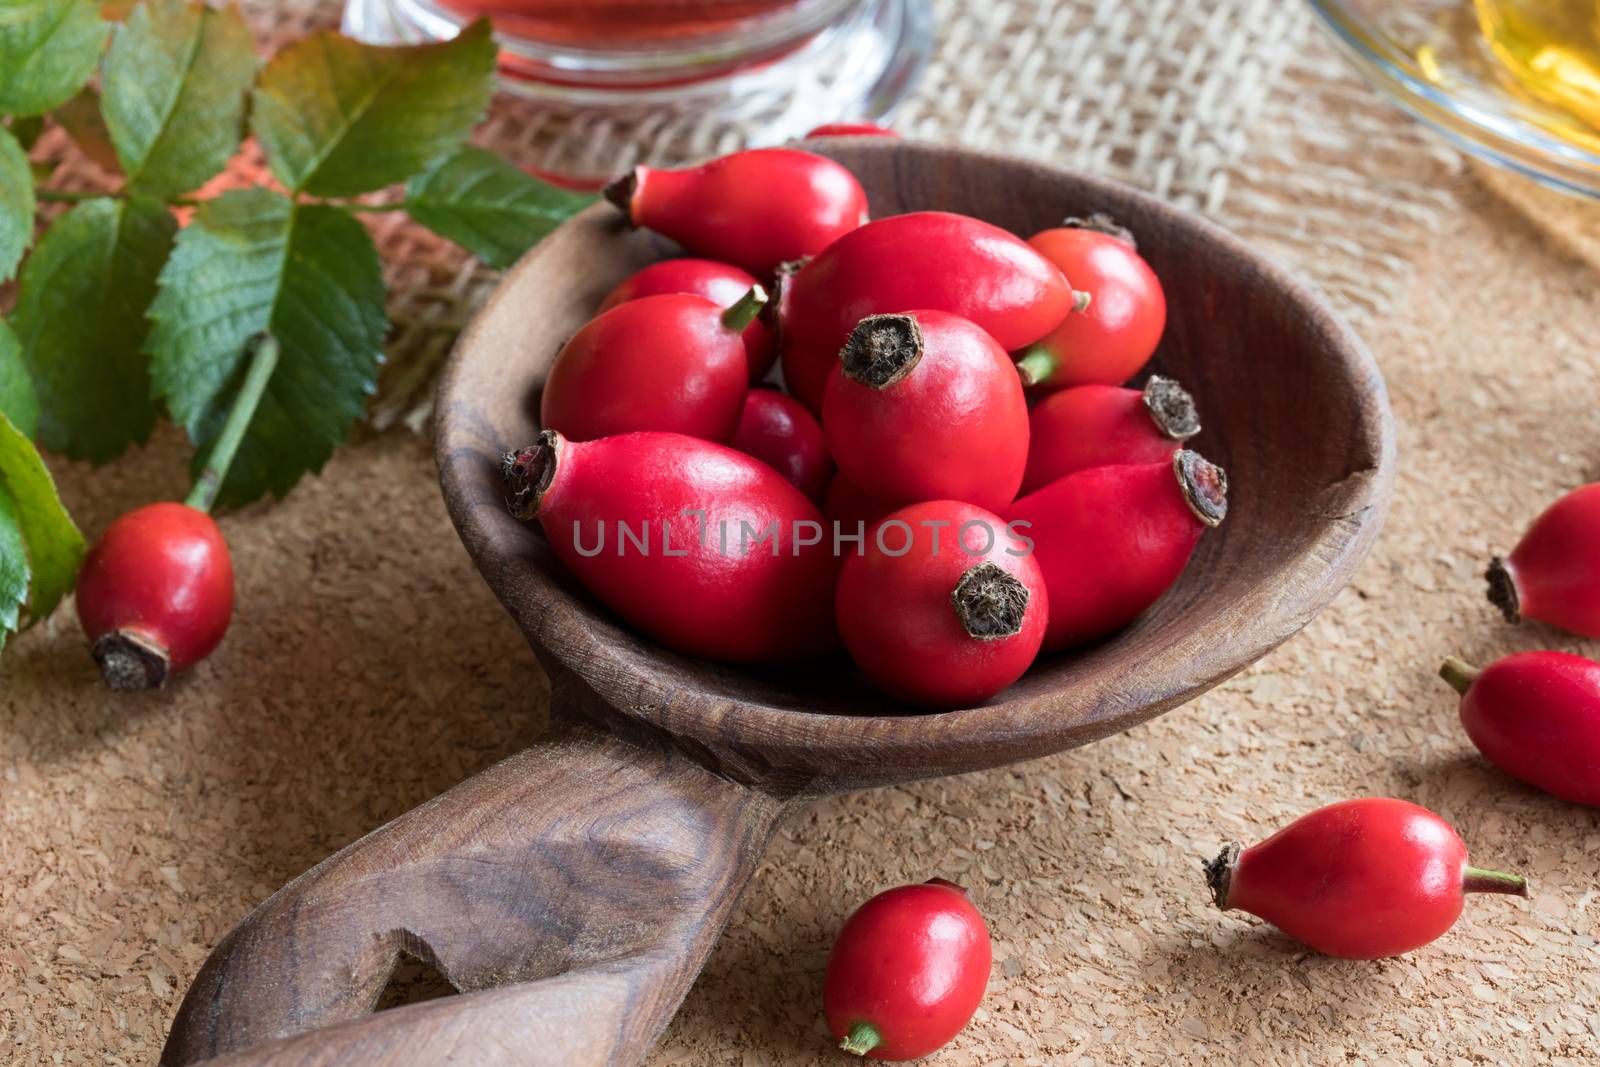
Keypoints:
pixel 1120 313
pixel 756 208
pixel 1107 425
pixel 700 547
pixel 907 972
pixel 1111 540
pixel 1360 880
pixel 1536 716
pixel 944 607
pixel 1553 575
pixel 924 405
pixel 671 362
pixel 926 259
pixel 721 283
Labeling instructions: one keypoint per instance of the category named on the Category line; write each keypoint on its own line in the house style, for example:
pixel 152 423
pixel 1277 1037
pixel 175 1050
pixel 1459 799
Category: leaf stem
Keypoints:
pixel 69 197
pixel 400 206
pixel 263 361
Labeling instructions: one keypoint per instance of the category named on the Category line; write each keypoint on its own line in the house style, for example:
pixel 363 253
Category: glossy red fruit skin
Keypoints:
pixel 850 129
pixel 662 362
pixel 927 259
pixel 1361 879
pixel 1553 575
pixel 735 606
pixel 757 208
pixel 851 508
pixel 1108 341
pixel 1536 716
pixel 721 283
pixel 161 574
pixel 913 963
pixel 1111 540
pixel 1098 426
pixel 780 432
pixel 919 651
pixel 954 426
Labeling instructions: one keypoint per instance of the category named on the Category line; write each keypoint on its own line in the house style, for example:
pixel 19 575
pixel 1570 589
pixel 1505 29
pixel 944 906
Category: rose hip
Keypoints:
pixel 851 508
pixel 1360 880
pixel 705 549
pixel 1122 308
pixel 925 405
pixel 927 259
pixel 1111 540
pixel 155 594
pixel 907 972
pixel 1536 716
pixel 672 362
pixel 1553 575
pixel 944 607
pixel 850 129
pixel 721 283
pixel 756 208
pixel 780 432
pixel 1106 425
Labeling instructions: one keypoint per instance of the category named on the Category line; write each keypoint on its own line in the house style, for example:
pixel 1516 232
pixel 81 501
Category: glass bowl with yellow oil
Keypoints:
pixel 1516 82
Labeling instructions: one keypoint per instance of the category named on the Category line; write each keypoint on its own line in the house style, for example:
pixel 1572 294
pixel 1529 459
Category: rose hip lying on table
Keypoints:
pixel 756 208
pixel 1361 879
pixel 780 432
pixel 926 259
pixel 1106 425
pixel 1111 540
pixel 672 362
pixel 944 607
pixel 924 405
pixel 1121 314
pixel 907 972
pixel 703 548
pixel 1536 716
pixel 1553 575
pixel 721 283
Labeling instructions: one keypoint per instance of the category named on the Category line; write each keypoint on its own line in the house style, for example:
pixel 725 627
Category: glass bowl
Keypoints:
pixel 1431 57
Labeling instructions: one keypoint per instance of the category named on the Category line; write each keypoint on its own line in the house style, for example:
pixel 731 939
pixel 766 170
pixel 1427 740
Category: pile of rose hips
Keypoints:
pixel 900 498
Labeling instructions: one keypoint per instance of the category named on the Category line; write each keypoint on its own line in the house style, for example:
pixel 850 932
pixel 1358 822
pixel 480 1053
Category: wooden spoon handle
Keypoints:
pixel 587 878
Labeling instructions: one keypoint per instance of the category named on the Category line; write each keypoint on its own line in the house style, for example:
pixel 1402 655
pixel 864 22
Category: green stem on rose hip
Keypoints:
pixel 263 361
pixel 862 1039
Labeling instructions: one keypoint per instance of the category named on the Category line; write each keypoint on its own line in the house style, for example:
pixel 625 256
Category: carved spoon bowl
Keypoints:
pixel 574 890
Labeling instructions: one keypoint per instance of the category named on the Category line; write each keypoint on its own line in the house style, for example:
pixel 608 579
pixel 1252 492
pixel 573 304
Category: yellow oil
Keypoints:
pixel 1550 51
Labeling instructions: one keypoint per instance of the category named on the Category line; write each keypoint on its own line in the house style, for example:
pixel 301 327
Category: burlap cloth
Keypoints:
pixel 368 668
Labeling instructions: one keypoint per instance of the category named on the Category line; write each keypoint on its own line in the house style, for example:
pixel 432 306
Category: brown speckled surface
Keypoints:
pixel 369 669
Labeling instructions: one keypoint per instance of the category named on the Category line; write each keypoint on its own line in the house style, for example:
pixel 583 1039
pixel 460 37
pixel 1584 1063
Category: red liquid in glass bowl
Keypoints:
pixel 613 25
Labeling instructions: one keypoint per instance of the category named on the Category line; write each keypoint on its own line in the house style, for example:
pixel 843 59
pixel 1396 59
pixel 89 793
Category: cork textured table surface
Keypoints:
pixel 369 669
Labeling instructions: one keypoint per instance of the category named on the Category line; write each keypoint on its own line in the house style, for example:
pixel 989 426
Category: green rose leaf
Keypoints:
pixel 16 203
pixel 494 210
pixel 82 120
pixel 174 85
pixel 33 515
pixel 17 400
pixel 80 317
pixel 48 50
pixel 14 573
pixel 252 262
pixel 338 117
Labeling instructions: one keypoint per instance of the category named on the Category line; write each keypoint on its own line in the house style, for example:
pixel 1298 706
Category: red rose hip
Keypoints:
pixel 851 508
pixel 1361 880
pixel 780 432
pixel 1106 425
pixel 927 259
pixel 756 208
pixel 943 607
pixel 924 405
pixel 704 549
pixel 155 594
pixel 850 129
pixel 1536 716
pixel 1111 540
pixel 721 283
pixel 672 362
pixel 1553 575
pixel 907 972
pixel 1121 315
